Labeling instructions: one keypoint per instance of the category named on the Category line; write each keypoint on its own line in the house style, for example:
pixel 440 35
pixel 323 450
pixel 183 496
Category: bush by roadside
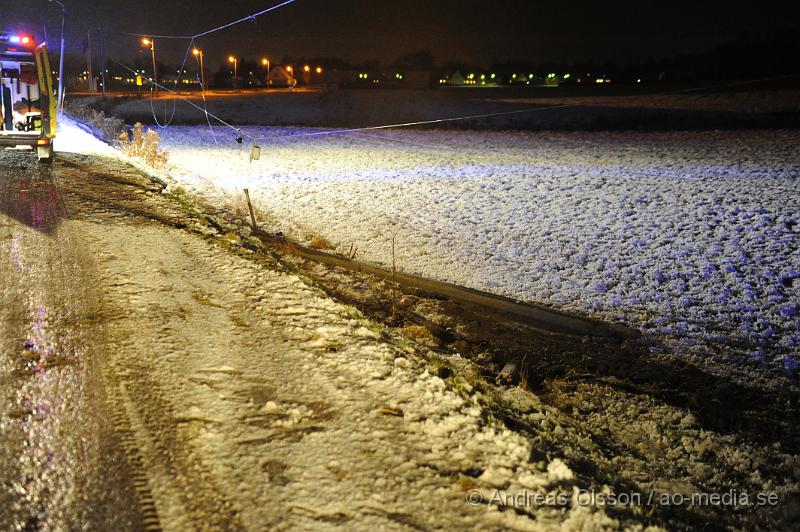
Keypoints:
pixel 107 128
pixel 137 141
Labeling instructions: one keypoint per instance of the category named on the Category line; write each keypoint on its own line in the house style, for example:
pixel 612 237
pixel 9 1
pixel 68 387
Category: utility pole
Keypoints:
pixel 199 54
pixel 235 61
pixel 102 61
pixel 61 64
pixel 151 43
pixel 92 81
pixel 61 59
pixel 155 67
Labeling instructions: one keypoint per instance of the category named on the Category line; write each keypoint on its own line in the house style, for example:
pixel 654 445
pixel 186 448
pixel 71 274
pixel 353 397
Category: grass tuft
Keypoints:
pixel 319 242
pixel 143 144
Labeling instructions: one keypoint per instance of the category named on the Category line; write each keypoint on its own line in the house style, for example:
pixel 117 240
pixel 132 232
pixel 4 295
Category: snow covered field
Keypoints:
pixel 690 236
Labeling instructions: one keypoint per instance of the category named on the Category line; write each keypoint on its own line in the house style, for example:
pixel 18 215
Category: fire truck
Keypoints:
pixel 27 99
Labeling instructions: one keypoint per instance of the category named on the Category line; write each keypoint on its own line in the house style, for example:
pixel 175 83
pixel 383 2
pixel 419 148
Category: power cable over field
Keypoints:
pixel 219 28
pixel 240 134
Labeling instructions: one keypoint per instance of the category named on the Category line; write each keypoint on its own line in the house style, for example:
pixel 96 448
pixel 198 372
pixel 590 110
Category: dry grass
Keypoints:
pixel 287 247
pixel 108 128
pixel 319 242
pixel 467 483
pixel 420 334
pixel 560 393
pixel 143 144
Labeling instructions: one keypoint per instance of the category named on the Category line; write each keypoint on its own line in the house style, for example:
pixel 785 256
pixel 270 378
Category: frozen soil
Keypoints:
pixel 255 397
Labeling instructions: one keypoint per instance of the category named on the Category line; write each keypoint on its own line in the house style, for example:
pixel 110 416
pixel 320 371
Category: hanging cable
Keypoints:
pixel 202 81
pixel 420 122
pixel 238 131
pixel 225 26
pixel 244 19
pixel 168 121
pixel 159 36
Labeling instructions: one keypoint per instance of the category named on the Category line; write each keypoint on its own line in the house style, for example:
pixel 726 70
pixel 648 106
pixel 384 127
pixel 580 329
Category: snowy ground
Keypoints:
pixel 268 394
pixel 253 400
pixel 690 236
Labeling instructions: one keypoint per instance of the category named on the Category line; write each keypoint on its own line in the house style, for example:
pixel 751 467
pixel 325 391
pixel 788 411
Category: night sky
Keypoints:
pixel 477 32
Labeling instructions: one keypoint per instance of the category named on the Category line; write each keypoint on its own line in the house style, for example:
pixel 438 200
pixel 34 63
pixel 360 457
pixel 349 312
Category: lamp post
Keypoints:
pixel 199 53
pixel 292 80
pixel 61 59
pixel 265 62
pixel 152 44
pixel 235 62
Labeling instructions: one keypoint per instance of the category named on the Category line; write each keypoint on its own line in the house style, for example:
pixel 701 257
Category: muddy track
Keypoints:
pixel 58 419
pixel 130 446
pixel 148 429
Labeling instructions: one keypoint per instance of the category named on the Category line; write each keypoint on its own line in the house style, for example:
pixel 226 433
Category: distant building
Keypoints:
pixel 385 79
pixel 182 81
pixel 456 78
pixel 281 76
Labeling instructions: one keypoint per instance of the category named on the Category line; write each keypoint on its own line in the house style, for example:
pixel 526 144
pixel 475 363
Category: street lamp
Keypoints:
pixel 199 54
pixel 235 66
pixel 61 59
pixel 152 44
pixel 265 62
pixel 319 70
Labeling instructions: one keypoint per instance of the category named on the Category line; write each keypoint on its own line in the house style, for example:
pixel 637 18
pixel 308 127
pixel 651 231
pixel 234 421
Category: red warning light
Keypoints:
pixel 26 40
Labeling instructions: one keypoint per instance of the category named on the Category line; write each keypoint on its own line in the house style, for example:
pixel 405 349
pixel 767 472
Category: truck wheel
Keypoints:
pixel 46 154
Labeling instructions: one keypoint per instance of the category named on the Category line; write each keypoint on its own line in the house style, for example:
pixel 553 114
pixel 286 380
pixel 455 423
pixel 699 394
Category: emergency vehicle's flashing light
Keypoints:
pixel 11 38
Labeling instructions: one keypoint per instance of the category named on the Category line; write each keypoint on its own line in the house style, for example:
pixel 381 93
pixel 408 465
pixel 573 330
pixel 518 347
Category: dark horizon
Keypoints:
pixel 466 31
